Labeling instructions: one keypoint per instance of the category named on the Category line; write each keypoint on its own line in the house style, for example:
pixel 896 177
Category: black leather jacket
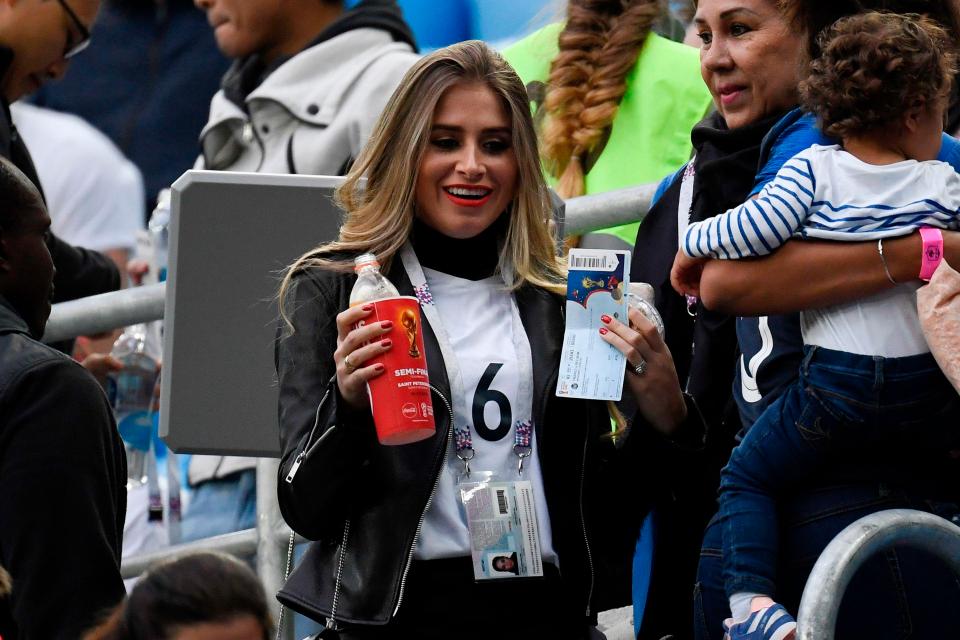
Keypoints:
pixel 364 504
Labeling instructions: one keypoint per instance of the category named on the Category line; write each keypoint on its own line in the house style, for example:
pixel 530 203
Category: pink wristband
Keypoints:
pixel 932 251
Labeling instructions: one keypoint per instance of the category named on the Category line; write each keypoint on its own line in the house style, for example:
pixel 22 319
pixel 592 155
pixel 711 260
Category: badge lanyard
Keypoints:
pixel 462 435
pixel 684 207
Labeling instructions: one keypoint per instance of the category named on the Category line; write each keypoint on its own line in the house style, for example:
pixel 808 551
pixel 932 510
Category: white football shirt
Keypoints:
pixel 477 317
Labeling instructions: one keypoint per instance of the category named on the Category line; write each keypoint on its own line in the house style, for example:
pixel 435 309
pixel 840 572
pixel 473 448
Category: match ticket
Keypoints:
pixel 596 282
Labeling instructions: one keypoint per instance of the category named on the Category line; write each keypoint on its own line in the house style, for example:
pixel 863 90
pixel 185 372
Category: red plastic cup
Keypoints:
pixel 400 397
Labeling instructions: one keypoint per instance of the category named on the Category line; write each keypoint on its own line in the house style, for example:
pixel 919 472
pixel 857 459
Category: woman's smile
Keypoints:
pixel 468 196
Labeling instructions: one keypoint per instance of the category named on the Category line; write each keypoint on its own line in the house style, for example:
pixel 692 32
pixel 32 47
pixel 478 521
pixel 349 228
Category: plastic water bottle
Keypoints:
pixel 131 392
pixel 159 229
pixel 640 296
pixel 371 284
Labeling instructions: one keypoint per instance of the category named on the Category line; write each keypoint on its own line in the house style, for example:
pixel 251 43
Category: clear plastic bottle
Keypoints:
pixel 159 229
pixel 371 284
pixel 131 393
pixel 640 296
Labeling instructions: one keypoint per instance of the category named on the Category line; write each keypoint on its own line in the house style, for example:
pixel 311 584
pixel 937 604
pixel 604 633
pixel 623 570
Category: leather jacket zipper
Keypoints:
pixel 308 448
pixel 583 521
pixel 423 514
pixel 332 620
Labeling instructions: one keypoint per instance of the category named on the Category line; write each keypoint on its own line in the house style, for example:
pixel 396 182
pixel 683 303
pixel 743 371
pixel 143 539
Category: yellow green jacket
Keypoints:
pixel 650 137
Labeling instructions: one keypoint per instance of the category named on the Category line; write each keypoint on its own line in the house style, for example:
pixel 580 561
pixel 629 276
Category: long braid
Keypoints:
pixel 570 72
pixel 599 45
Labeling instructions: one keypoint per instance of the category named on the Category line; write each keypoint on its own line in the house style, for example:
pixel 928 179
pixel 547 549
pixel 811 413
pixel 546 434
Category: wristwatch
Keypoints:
pixel 932 251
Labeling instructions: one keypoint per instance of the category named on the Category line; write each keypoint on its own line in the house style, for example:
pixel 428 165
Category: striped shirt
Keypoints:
pixel 824 192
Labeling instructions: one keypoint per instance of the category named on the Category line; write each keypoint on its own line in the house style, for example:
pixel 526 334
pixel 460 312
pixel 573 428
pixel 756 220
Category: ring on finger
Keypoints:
pixel 350 366
pixel 638 369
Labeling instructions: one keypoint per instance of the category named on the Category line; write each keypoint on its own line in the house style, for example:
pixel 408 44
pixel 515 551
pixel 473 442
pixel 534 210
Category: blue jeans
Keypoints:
pixel 221 506
pixel 842 406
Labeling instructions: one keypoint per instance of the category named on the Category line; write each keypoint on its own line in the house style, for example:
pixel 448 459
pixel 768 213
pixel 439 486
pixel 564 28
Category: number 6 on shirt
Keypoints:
pixel 483 395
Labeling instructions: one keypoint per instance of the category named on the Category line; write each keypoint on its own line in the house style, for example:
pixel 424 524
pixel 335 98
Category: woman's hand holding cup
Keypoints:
pixel 357 343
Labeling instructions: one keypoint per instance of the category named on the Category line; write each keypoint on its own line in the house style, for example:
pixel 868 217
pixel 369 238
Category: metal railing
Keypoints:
pixel 105 312
pixel 846 553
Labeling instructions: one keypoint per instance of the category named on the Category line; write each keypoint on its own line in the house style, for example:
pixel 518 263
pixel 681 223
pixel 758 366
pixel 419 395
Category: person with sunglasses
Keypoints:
pixel 37 40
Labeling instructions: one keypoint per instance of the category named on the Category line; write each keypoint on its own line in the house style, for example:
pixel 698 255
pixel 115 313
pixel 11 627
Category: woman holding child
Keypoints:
pixel 455 208
pixel 868 383
pixel 750 62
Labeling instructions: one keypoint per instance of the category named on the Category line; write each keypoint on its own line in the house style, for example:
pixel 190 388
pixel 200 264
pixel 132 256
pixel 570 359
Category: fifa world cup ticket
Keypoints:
pixel 597 280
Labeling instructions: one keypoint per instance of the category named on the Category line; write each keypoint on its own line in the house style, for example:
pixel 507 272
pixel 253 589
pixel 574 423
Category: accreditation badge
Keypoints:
pixel 502 520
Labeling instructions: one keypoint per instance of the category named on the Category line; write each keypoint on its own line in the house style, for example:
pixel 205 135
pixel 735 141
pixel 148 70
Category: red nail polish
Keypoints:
pixel 603 331
pixel 367 307
pixel 386 343
pixel 386 324
pixel 605 319
pixel 378 368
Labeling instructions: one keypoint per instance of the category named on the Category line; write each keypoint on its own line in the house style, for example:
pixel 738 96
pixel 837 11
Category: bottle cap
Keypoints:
pixel 365 260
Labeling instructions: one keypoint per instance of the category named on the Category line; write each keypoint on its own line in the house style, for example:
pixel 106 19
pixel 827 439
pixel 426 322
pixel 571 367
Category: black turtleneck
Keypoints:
pixel 473 258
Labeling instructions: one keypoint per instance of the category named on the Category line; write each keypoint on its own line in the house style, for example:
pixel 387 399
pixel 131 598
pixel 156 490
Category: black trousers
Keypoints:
pixel 442 600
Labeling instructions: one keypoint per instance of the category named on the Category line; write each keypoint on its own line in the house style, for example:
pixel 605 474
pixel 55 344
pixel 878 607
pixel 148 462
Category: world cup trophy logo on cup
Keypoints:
pixel 409 321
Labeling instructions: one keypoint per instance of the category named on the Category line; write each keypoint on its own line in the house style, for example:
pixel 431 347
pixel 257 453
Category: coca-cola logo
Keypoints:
pixel 409 411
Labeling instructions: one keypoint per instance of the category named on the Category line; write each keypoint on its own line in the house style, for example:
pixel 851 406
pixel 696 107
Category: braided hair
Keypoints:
pixel 599 45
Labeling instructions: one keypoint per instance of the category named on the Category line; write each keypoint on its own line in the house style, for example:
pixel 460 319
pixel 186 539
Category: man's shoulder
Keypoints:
pixel 23 359
pixel 21 352
pixel 315 84
pixel 347 55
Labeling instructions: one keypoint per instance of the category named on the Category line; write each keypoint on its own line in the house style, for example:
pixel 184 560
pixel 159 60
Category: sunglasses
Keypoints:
pixel 73 48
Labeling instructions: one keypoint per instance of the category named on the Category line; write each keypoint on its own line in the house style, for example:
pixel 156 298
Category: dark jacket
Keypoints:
pixel 80 272
pixel 364 503
pixel 63 473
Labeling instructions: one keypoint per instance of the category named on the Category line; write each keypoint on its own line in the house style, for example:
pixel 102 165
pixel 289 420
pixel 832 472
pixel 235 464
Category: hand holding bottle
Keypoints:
pixel 355 347
pixel 400 400
pixel 101 365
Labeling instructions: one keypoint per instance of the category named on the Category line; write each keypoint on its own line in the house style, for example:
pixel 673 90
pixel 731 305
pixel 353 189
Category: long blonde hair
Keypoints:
pixel 598 46
pixel 380 211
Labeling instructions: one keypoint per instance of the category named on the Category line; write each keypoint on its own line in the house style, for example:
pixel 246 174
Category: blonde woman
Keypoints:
pixel 614 101
pixel 454 206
